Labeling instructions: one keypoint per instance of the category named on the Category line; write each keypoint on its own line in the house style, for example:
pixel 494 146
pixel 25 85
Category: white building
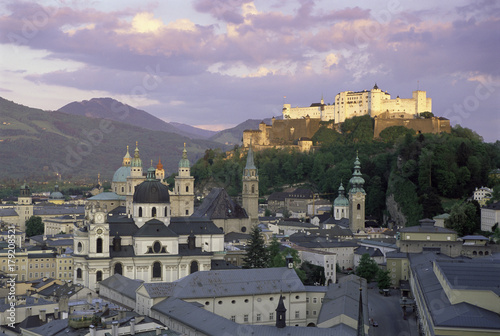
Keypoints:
pixel 490 215
pixel 374 102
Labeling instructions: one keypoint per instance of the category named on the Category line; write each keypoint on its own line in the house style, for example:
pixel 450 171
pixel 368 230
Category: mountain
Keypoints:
pixel 37 144
pixel 234 136
pixel 108 108
pixel 198 133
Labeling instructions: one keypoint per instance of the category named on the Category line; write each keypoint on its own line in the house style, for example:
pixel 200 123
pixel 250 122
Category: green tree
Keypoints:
pixel 273 250
pixel 367 268
pixel 383 279
pixel 34 226
pixel 257 254
pixel 463 219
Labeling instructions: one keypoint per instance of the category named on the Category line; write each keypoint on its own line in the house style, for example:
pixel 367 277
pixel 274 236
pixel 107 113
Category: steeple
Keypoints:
pixel 361 323
pixel 356 180
pixel 159 166
pixel 126 159
pixel 184 162
pixel 136 160
pixel 281 314
pixel 250 163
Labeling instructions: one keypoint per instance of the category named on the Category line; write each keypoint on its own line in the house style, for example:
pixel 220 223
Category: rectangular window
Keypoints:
pixel 245 318
pixel 314 312
pixel 258 317
pixel 271 316
pixel 315 300
pixel 233 318
pixel 297 314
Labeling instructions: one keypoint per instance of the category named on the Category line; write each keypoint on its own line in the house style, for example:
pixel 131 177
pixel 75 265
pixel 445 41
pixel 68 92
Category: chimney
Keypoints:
pixel 114 328
pixel 92 330
pixel 158 330
pixel 56 313
pixel 43 315
pixel 132 327
pixel 89 297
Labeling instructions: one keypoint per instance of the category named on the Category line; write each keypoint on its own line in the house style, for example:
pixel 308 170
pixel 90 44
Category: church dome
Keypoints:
pixel 56 194
pixel 121 174
pixel 151 190
pixel 341 201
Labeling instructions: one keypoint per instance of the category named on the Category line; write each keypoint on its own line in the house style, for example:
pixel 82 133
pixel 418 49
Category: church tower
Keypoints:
pixel 160 172
pixel 183 201
pixel 357 197
pixel 24 206
pixel 119 182
pixel 135 177
pixel 250 193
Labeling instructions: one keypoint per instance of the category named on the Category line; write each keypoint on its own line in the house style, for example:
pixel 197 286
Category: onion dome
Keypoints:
pixel 151 190
pixel 136 160
pixel 341 200
pixel 159 166
pixel 356 180
pixel 184 162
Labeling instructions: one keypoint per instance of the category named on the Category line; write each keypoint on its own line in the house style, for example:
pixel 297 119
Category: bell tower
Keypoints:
pixel 24 206
pixel 250 193
pixel 183 200
pixel 357 197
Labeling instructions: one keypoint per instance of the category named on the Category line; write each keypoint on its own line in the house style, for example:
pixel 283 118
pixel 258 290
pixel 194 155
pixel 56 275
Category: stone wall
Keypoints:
pixel 432 125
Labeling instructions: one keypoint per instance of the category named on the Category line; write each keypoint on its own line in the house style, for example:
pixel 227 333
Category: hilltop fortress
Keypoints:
pixel 300 123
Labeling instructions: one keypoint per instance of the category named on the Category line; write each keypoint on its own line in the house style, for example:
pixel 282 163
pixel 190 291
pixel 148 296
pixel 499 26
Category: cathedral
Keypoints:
pixel 142 230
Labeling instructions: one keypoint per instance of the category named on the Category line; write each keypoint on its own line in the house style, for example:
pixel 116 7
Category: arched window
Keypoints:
pixel 78 273
pixel 359 206
pixel 187 188
pixel 140 211
pixel 153 212
pixel 253 189
pixel 98 276
pixel 123 189
pixel 118 269
pixel 156 270
pixel 99 245
pixel 166 211
pixel 194 266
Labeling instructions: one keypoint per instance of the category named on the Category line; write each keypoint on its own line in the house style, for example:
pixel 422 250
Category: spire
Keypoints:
pixel 281 314
pixel 126 159
pixel 250 162
pixel 184 162
pixel 356 180
pixel 375 87
pixel 159 166
pixel 136 160
pixel 361 323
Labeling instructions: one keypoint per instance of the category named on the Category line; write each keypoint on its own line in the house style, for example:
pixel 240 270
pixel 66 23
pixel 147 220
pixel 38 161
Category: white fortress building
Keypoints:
pixel 374 102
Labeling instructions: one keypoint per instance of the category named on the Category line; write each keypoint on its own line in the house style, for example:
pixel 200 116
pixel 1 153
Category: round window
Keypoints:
pixel 156 247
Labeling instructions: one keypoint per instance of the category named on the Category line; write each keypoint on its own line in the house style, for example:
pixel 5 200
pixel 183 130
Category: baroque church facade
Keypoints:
pixel 151 233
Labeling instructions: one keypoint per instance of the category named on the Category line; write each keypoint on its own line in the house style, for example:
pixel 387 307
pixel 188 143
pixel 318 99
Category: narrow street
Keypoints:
pixel 386 311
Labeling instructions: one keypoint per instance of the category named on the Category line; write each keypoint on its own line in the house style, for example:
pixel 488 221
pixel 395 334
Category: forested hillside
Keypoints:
pixel 412 174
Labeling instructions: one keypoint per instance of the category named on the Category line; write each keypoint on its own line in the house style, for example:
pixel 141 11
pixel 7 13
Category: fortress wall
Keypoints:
pixel 432 125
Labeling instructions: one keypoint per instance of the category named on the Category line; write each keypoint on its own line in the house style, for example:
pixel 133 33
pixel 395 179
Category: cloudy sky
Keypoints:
pixel 216 63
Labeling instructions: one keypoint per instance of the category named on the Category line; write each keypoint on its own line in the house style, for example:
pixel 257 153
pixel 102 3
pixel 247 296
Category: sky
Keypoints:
pixel 215 63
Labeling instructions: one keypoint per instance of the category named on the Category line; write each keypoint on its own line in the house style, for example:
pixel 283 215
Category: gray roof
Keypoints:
pixel 343 299
pixel 426 229
pixel 208 323
pixel 479 274
pixel 195 225
pixel 236 236
pixel 124 227
pixel 107 196
pixel 30 302
pixel 155 228
pixel 445 314
pixel 8 212
pixel 218 205
pixel 296 224
pixel 493 206
pixel 122 284
pixel 371 251
pixel 51 328
pixel 52 210
pixel 474 237
pixel 221 283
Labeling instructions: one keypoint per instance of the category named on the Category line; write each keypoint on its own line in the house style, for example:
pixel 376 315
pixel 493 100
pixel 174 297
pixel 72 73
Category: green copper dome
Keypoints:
pixel 136 160
pixel 356 180
pixel 184 162
pixel 341 200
